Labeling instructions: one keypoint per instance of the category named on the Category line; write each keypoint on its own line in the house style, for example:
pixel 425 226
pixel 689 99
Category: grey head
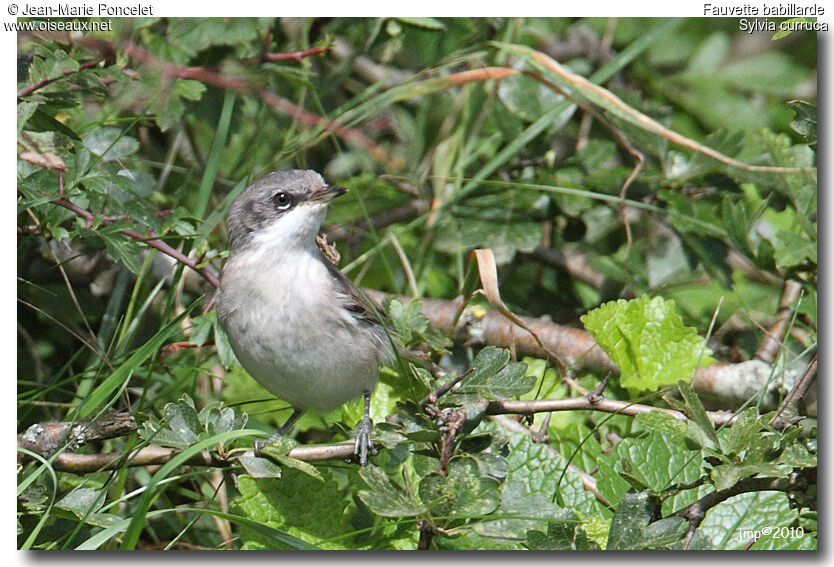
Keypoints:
pixel 285 208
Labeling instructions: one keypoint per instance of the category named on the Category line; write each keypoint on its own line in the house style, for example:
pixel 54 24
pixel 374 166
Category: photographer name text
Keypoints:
pixel 86 10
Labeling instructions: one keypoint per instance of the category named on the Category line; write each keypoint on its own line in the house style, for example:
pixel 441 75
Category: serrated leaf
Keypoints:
pixel 384 497
pixel 657 461
pixel 696 412
pixel 745 427
pixel 413 424
pixel 189 89
pixel 564 531
pixel 494 377
pixel 462 493
pixel 181 419
pixel 791 249
pixel 648 341
pixel 664 532
pixel 725 476
pixel 533 465
pixel 805 121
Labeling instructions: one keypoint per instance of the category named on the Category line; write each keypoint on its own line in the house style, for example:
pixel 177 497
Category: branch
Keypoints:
pixel 79 463
pixel 695 512
pixel 294 55
pixel 775 335
pixel 47 437
pixel 529 407
pixel 728 381
pixel 26 91
pixel 151 240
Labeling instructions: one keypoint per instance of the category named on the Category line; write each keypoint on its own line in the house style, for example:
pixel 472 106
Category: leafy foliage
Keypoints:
pixel 451 135
pixel 647 340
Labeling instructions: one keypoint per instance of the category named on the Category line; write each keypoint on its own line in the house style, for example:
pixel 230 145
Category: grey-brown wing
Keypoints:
pixel 358 303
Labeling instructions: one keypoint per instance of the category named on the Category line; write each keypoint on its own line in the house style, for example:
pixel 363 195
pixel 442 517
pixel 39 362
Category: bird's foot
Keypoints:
pixel 261 443
pixel 363 444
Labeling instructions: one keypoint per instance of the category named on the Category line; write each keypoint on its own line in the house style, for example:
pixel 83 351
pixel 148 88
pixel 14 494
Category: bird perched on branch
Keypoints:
pixel 295 322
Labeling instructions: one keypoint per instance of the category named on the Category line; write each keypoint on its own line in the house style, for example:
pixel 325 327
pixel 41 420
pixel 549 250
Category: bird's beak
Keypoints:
pixel 326 194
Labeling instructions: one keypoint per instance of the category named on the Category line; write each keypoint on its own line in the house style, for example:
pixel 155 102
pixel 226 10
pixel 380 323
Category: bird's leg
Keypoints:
pixel 260 444
pixel 363 434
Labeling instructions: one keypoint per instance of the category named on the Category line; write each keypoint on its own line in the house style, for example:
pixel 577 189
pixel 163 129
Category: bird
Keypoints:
pixel 295 322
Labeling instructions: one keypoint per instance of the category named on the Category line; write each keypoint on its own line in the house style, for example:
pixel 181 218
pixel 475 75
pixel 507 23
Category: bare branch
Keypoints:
pixel 47 437
pixel 775 335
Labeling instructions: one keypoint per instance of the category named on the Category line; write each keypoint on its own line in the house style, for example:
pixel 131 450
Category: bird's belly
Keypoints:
pixel 298 352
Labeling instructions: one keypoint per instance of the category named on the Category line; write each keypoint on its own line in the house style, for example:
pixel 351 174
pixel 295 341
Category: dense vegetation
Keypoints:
pixel 654 192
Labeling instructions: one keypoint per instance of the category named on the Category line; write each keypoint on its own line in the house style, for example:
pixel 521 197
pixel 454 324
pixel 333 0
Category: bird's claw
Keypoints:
pixel 363 444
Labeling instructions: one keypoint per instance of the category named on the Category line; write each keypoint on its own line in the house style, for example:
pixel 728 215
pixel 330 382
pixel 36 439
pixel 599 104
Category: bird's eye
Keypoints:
pixel 282 200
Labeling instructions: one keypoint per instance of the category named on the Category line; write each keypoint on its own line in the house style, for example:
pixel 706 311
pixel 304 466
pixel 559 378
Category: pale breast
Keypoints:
pixel 289 332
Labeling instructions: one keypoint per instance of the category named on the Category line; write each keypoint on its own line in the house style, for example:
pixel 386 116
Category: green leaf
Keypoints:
pixel 648 341
pixel 696 412
pixel 517 500
pixel 564 531
pixel 40 121
pixel 82 501
pixel 634 513
pixel 533 465
pixel 494 377
pixel 285 504
pixel 798 456
pixel 258 467
pixel 805 121
pixel 791 249
pixel 725 476
pixel 110 143
pixel 657 461
pixel 662 421
pixel 462 493
pixel 725 524
pixel 744 430
pixel 384 498
pixel 181 420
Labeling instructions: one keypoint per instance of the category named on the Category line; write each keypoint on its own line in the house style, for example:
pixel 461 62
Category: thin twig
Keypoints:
pixel 797 392
pixel 151 240
pixel 295 55
pixel 775 335
pixel 26 91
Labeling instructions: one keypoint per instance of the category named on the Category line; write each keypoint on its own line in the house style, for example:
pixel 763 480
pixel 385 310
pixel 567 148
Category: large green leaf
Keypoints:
pixel 648 341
